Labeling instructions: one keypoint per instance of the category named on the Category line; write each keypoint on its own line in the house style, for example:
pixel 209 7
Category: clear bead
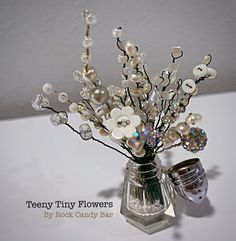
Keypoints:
pixel 77 76
pixel 85 58
pixel 117 32
pixel 122 59
pixel 91 19
pixel 176 52
pixel 85 131
pixel 87 42
pixel 48 88
pixel 63 97
pixel 59 118
pixel 39 101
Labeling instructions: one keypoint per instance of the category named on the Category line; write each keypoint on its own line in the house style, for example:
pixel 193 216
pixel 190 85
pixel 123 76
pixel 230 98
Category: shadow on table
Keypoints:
pixel 183 207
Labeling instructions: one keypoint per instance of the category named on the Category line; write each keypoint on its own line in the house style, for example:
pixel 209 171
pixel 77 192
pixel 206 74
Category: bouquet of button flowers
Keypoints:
pixel 140 115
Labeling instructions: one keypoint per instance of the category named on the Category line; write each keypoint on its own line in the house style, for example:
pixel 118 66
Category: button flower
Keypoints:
pixel 122 123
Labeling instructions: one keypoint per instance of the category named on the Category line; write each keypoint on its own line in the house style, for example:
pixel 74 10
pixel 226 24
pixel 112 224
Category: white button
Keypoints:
pixel 189 86
pixel 200 71
pixel 211 73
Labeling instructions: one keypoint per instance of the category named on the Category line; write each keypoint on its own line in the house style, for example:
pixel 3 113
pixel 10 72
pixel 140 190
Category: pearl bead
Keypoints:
pixel 99 95
pixel 191 119
pixel 200 71
pixel 136 77
pixel 63 97
pixel 91 19
pixel 183 128
pixel 211 73
pixel 48 88
pixel 130 48
pixel 139 154
pixel 90 74
pixel 73 107
pixel 117 32
pixel 85 58
pixel 206 59
pixel 172 134
pixel 87 42
pixel 176 52
pixel 189 86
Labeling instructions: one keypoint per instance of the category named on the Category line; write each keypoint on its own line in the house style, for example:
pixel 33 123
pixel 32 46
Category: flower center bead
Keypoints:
pixel 123 121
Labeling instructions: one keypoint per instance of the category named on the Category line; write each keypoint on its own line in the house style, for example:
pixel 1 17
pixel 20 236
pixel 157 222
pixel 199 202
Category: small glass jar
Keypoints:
pixel 148 196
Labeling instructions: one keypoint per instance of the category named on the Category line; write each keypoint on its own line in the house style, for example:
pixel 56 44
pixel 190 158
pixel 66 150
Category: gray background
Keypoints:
pixel 40 41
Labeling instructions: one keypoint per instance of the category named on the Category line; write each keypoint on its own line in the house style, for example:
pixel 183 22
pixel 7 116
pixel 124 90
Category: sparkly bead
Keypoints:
pixel 117 32
pixel 91 19
pixel 85 131
pixel 135 144
pixel 176 52
pixel 122 59
pixel 87 42
pixel 63 97
pixel 153 96
pixel 182 128
pixel 73 107
pixel 206 59
pixel 167 140
pixel 39 101
pixel 192 119
pixel 130 48
pixel 211 73
pixel 85 58
pixel 99 95
pixel 189 86
pixel 195 141
pixel 200 71
pixel 85 92
pixel 59 118
pixel 48 88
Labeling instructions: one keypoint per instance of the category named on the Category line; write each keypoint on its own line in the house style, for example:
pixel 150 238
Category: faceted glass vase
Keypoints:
pixel 148 197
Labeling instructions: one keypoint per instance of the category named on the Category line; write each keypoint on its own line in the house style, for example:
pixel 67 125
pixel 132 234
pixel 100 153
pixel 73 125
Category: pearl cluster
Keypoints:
pixel 140 115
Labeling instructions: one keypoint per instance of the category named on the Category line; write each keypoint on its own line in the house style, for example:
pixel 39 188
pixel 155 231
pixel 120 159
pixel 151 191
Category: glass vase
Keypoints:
pixel 148 196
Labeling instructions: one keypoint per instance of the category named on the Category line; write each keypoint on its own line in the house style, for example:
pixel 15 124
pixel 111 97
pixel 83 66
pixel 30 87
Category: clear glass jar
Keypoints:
pixel 148 196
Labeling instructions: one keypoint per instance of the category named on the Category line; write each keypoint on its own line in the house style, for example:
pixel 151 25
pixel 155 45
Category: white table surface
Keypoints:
pixel 40 162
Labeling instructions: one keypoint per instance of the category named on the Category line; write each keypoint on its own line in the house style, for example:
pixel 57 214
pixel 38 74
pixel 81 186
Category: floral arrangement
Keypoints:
pixel 140 115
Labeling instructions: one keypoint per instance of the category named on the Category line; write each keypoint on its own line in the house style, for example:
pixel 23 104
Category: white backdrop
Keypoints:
pixel 40 162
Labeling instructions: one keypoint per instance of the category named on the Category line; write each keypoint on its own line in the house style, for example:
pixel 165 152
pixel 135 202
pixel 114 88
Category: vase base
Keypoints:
pixel 152 224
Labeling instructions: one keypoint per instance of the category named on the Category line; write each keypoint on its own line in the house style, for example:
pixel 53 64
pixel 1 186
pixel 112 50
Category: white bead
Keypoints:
pixel 182 128
pixel 73 107
pixel 85 58
pixel 48 88
pixel 130 48
pixel 200 71
pixel 117 32
pixel 87 42
pixel 63 97
pixel 211 73
pixel 189 86
pixel 91 19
